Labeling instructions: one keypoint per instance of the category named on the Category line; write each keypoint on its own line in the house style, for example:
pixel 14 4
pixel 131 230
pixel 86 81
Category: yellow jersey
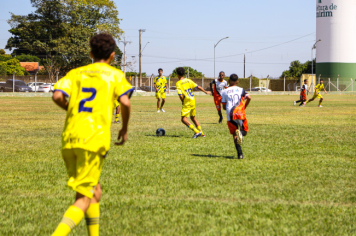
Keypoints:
pixel 161 84
pixel 319 87
pixel 92 90
pixel 185 87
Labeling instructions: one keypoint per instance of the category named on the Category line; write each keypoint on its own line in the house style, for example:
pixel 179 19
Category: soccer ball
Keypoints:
pixel 160 132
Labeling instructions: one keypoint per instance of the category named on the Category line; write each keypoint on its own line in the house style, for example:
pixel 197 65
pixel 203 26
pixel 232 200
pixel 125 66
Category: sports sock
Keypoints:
pixel 117 117
pixel 238 148
pixel 319 103
pixel 192 128
pixel 71 218
pixel 92 219
pixel 298 101
pixel 199 128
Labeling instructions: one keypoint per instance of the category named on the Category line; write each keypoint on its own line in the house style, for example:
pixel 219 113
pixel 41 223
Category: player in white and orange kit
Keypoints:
pixel 216 88
pixel 235 100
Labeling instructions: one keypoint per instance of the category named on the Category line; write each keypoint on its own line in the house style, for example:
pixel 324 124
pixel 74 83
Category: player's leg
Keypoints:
pixel 163 96
pixel 184 119
pixel 158 97
pixel 196 123
pixel 84 170
pixel 237 136
pixel 93 213
pixel 217 102
pixel 320 101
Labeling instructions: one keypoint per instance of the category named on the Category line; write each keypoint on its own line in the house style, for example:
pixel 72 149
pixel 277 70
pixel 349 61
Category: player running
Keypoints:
pixel 185 92
pixel 303 93
pixel 216 87
pixel 317 94
pixel 91 92
pixel 233 100
pixel 160 84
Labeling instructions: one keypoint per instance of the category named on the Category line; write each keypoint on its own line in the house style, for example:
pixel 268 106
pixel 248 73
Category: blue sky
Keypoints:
pixel 184 33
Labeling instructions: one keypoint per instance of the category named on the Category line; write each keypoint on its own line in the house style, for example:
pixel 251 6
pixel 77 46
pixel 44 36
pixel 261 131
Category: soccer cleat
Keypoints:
pixel 203 135
pixel 240 156
pixel 295 103
pixel 220 120
pixel 196 135
pixel 162 110
pixel 303 104
pixel 320 106
pixel 239 137
pixel 158 111
pixel 117 121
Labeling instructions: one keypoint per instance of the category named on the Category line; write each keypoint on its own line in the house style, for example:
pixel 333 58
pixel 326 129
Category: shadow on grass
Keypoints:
pixel 213 156
pixel 169 136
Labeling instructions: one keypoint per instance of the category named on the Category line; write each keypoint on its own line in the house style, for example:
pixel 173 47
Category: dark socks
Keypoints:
pixel 238 148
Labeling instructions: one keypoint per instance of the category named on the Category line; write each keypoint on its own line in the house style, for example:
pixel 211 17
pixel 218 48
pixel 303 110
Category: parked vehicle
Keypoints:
pixel 173 89
pixel 259 89
pixel 20 86
pixel 138 90
pixel 35 86
pixel 147 88
pixel 46 88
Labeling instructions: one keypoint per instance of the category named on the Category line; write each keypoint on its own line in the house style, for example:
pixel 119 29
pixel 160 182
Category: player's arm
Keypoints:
pixel 203 90
pixel 248 99
pixel 154 84
pixel 224 106
pixel 60 99
pixel 211 88
pixel 125 115
pixel 181 97
pixel 325 91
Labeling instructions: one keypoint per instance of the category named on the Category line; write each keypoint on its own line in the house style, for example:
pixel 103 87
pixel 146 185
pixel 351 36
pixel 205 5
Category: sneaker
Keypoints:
pixel 303 104
pixel 220 120
pixel 162 110
pixel 197 135
pixel 239 137
pixel 203 135
pixel 117 121
pixel 320 106
pixel 158 111
pixel 240 156
pixel 295 103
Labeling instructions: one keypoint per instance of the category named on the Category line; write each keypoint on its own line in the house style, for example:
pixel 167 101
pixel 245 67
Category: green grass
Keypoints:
pixel 298 176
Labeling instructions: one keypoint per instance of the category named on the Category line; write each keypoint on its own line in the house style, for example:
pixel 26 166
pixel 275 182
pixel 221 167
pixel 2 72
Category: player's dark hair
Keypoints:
pixel 160 69
pixel 102 45
pixel 321 80
pixel 234 77
pixel 180 71
pixel 305 80
pixel 221 72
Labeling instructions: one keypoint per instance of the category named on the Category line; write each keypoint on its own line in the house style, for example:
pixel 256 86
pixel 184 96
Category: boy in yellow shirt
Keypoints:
pixel 317 93
pixel 91 92
pixel 185 92
pixel 160 84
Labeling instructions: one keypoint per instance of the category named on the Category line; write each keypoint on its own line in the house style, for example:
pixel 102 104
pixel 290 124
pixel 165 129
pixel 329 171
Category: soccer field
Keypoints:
pixel 298 176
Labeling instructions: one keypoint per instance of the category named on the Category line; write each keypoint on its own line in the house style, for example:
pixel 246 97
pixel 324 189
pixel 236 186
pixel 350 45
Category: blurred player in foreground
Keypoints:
pixel 317 93
pixel 91 92
pixel 216 88
pixel 185 92
pixel 303 93
pixel 233 100
pixel 160 84
pixel 117 110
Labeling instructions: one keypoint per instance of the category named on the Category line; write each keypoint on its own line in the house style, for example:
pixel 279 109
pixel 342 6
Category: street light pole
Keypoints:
pixel 314 47
pixel 125 64
pixel 140 30
pixel 214 52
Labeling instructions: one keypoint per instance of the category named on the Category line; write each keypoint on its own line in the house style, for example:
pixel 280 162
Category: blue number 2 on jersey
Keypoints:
pixel 83 101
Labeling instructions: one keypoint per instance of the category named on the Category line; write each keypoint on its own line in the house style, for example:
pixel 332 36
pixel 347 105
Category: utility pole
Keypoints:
pixel 244 64
pixel 124 42
pixel 140 31
pixel 214 52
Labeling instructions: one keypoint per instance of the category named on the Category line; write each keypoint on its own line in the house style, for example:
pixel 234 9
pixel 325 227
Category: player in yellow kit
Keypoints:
pixel 160 84
pixel 91 92
pixel 317 94
pixel 185 92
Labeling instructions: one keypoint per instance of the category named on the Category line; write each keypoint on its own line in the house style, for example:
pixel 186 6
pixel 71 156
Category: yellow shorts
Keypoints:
pixel 84 169
pixel 161 95
pixel 317 95
pixel 186 112
pixel 116 103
